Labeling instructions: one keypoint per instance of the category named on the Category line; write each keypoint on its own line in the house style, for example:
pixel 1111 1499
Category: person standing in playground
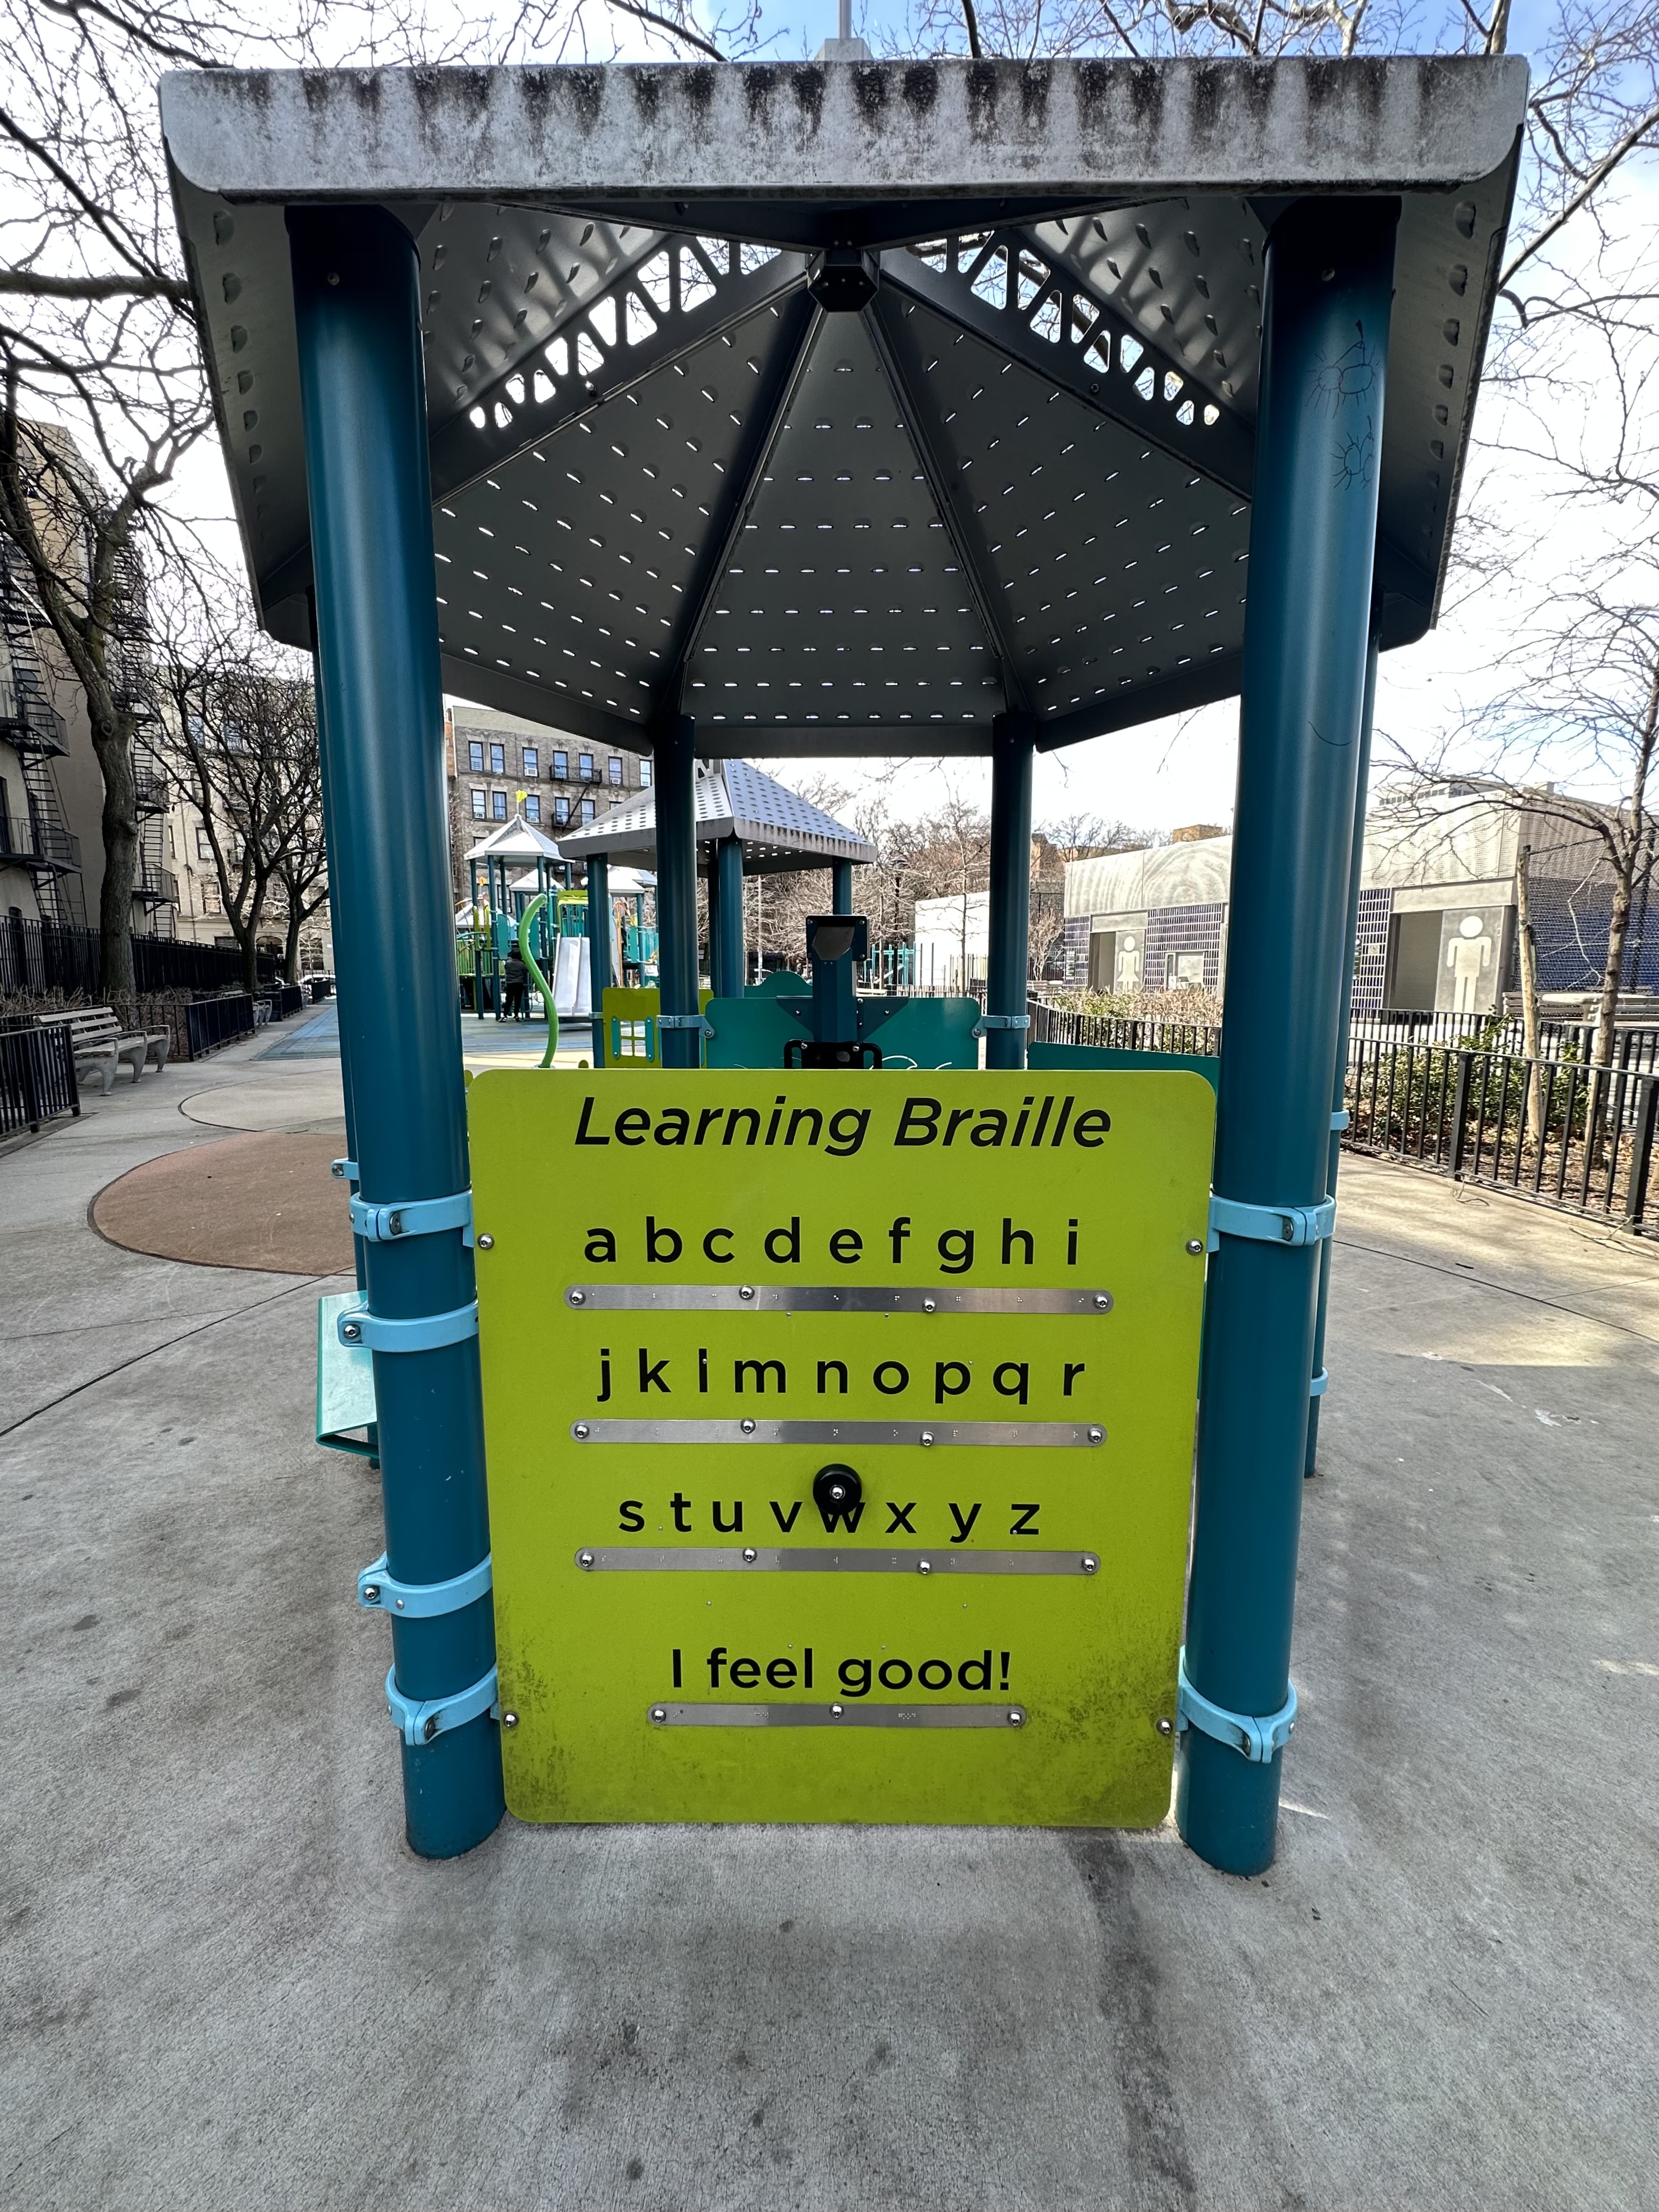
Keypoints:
pixel 513 979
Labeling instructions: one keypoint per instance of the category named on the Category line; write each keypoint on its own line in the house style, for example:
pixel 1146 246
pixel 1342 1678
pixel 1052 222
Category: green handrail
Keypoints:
pixel 529 960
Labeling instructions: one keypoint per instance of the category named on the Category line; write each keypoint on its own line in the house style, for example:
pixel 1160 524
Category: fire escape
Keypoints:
pixel 155 886
pixel 39 840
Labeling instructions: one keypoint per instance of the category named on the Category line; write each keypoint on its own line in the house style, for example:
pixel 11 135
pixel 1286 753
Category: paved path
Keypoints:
pixel 225 1983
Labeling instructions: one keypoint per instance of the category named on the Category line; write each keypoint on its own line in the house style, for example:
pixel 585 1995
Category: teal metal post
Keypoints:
pixel 674 750
pixel 1339 1084
pixel 841 887
pixel 726 919
pixel 1328 276
pixel 1013 739
pixel 598 945
pixel 357 323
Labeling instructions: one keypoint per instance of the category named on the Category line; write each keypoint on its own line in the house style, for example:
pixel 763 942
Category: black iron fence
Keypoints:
pixel 37 1077
pixel 210 1023
pixel 1636 1044
pixel 283 999
pixel 1065 1025
pixel 40 958
pixel 1577 1137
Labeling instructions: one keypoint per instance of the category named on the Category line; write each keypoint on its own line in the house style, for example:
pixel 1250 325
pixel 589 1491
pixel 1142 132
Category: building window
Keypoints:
pixel 614 769
pixel 172 844
pixel 561 811
pixel 498 805
pixel 203 846
pixel 475 755
pixel 584 767
pixel 561 768
pixel 210 898
pixel 498 760
pixel 478 806
pixel 587 810
pixel 532 808
pixel 645 775
pixel 532 760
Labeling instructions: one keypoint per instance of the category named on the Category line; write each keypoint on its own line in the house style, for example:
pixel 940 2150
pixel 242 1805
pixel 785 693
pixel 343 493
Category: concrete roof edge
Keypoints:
pixel 932 128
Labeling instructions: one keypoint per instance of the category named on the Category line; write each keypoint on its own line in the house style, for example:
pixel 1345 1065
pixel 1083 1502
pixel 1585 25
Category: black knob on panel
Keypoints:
pixel 837 1494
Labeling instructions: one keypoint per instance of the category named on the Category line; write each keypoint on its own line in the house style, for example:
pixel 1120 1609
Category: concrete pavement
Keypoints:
pixel 227 1982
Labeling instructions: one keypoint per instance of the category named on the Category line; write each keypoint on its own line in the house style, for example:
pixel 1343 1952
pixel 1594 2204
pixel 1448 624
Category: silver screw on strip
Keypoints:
pixel 578 1297
pixel 749 1553
pixel 1195 1246
pixel 1016 1717
pixel 1096 1435
pixel 509 1720
pixel 1165 1727
pixel 745 1291
pixel 579 1432
pixel 658 1713
pixel 584 1558
pixel 748 1427
pixel 1089 1563
pixel 1103 1300
pixel 927 1436
pixel 486 1243
pixel 928 1306
pixel 924 1566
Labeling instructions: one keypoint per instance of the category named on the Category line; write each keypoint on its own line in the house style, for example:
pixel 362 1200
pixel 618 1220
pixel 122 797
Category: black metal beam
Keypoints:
pixel 955 512
pixel 800 318
pixel 1224 450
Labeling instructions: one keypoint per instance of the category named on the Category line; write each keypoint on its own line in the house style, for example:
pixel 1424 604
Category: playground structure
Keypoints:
pixel 1000 378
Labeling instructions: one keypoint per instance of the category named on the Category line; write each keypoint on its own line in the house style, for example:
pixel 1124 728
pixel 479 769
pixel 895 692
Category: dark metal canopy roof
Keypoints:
pixel 843 405
pixel 780 830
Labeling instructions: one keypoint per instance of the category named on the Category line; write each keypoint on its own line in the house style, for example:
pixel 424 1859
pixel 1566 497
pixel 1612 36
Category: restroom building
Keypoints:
pixel 1437 907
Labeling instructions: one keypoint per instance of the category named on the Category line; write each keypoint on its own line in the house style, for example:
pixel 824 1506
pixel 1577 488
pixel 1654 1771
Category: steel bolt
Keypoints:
pixel 578 1297
pixel 1195 1246
pixel 371 1593
pixel 748 1427
pixel 1089 1563
pixel 399 1603
pixel 394 1225
pixel 486 1243
pixel 509 1720
pixel 352 1331
pixel 658 1713
pixel 927 1436
pixel 431 1728
pixel 579 1432
pixel 745 1291
pixel 836 1712
pixel 1015 1716
pixel 749 1553
pixel 584 1558
pixel 1096 1435
pixel 928 1305
pixel 1103 1301
pixel 1165 1727
pixel 924 1566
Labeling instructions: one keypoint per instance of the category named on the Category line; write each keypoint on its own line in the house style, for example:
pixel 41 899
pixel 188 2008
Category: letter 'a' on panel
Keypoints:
pixel 997 1337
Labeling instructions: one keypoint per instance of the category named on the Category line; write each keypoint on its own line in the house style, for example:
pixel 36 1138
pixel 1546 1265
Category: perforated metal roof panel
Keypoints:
pixel 780 830
pixel 843 405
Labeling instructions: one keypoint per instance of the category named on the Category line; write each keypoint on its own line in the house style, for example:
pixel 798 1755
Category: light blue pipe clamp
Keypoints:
pixel 1258 1738
pixel 1270 1225
pixel 346 1170
pixel 683 1022
pixel 422 1333
pixel 1340 1119
pixel 1321 1383
pixel 379 1592
pixel 987 1023
pixel 419 1721
pixel 412 1217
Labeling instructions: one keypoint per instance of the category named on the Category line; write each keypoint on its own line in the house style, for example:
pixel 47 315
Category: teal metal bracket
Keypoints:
pixel 345 1170
pixel 418 1722
pixel 1321 1383
pixel 379 1592
pixel 1270 1225
pixel 1257 1739
pixel 412 1217
pixel 422 1333
pixel 987 1023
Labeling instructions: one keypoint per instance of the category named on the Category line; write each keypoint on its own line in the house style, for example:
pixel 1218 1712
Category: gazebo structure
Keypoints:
pixel 968 407
pixel 511 845
pixel 749 824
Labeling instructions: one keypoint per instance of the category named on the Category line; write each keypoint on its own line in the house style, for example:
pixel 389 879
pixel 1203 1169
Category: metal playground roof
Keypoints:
pixel 845 405
pixel 780 830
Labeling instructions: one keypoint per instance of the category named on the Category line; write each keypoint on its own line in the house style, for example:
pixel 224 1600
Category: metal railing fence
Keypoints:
pixel 37 1077
pixel 1636 1044
pixel 1052 1024
pixel 211 1023
pixel 38 958
pixel 1570 1136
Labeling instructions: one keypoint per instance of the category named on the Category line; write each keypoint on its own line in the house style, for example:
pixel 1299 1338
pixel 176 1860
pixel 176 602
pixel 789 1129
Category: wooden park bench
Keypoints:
pixel 100 1045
